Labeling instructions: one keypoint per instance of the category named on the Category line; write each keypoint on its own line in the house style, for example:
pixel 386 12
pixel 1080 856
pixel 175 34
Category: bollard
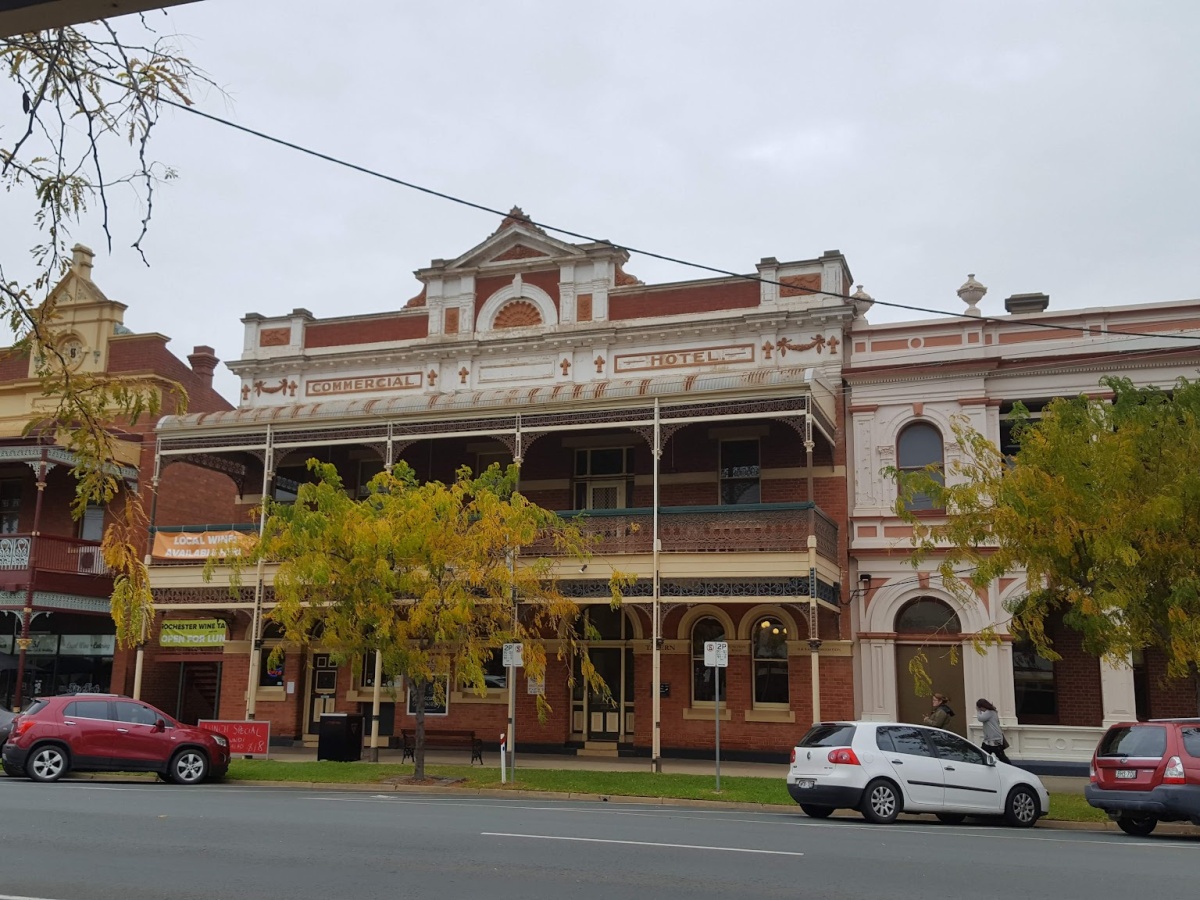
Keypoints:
pixel 503 753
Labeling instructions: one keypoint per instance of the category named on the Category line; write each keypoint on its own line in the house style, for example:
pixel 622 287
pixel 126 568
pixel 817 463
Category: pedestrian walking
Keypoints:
pixel 941 714
pixel 993 736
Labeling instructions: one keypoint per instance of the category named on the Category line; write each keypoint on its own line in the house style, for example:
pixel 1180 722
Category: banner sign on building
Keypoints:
pixel 202 544
pixel 192 633
pixel 247 739
pixel 41 644
pixel 87 645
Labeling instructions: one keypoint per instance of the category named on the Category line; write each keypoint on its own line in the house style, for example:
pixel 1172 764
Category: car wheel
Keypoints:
pixel 881 802
pixel 1021 809
pixel 188 767
pixel 47 763
pixel 163 778
pixel 1138 826
pixel 816 812
pixel 951 818
pixel 13 771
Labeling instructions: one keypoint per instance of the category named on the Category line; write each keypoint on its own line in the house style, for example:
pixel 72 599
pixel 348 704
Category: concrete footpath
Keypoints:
pixel 1056 784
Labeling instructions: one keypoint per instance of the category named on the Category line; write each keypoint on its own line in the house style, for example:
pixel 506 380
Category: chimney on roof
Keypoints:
pixel 1023 304
pixel 203 361
pixel 81 261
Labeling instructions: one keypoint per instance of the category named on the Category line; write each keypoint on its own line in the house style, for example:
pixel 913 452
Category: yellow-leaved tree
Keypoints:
pixel 426 575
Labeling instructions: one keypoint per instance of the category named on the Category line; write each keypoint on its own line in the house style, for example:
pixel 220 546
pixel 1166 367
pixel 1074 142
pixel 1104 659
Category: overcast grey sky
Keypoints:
pixel 1044 146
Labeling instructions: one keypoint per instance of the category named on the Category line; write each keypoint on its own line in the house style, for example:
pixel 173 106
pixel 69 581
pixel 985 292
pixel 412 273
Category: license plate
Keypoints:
pixel 1126 774
pixel 806 782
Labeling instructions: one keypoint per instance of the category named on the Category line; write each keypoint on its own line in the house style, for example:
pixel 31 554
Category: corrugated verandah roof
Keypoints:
pixel 562 398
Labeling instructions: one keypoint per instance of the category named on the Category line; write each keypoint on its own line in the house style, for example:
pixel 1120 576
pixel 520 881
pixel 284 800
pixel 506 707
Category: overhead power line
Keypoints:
pixel 716 270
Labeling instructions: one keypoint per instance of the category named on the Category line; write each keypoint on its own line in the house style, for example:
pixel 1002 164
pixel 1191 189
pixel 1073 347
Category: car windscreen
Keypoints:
pixel 835 735
pixel 1145 741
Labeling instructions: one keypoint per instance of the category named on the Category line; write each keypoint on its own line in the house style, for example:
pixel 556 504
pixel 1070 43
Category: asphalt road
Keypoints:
pixel 101 841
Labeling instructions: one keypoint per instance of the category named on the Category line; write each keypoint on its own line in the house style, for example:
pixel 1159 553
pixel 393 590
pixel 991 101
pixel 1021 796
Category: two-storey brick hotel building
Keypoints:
pixel 716 401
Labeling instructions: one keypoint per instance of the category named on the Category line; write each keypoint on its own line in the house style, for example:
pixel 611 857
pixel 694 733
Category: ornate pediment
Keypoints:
pixel 517 238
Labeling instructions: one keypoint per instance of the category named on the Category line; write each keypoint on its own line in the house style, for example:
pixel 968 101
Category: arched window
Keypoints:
pixel 769 641
pixel 919 447
pixel 927 615
pixel 705 629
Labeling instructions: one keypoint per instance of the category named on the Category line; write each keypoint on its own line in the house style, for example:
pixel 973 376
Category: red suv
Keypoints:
pixel 1144 773
pixel 107 733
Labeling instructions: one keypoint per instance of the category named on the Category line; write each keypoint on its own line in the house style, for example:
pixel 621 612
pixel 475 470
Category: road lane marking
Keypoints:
pixel 15 897
pixel 559 837
pixel 723 816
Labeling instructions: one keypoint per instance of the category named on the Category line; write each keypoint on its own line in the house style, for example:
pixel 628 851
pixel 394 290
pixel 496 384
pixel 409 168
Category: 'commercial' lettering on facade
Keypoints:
pixel 400 381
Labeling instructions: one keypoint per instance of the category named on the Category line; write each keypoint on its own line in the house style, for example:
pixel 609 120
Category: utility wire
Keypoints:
pixel 299 148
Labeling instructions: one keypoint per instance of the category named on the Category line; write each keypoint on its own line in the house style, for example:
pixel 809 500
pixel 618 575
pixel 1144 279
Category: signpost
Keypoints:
pixel 514 658
pixel 716 655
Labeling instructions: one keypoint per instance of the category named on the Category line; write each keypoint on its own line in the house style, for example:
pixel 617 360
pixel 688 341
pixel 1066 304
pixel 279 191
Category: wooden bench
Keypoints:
pixel 441 740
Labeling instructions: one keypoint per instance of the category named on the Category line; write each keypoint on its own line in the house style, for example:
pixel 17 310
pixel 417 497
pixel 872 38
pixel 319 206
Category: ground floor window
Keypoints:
pixel 770 638
pixel 1034 686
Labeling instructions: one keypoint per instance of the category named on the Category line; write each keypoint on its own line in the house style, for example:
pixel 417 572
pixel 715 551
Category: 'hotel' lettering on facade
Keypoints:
pixel 401 381
pixel 684 359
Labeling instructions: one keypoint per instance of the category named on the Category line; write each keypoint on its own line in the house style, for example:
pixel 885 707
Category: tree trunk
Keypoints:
pixel 418 689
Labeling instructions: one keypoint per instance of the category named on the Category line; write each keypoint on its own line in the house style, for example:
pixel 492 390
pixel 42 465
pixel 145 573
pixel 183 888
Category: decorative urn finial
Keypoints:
pixel 971 293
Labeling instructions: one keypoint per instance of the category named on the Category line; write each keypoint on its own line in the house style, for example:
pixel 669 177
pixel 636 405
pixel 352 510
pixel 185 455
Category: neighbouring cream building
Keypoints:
pixel 904 385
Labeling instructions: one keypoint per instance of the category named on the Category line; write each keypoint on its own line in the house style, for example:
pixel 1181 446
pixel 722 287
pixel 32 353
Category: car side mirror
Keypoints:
pixel 160 725
pixel 991 760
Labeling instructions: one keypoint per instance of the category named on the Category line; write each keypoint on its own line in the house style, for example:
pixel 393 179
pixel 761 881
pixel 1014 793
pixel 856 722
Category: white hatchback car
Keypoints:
pixel 883 769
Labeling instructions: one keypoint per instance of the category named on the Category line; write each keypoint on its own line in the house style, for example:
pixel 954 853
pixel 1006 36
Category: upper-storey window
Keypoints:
pixel 919 449
pixel 739 472
pixel 10 505
pixel 1008 438
pixel 603 478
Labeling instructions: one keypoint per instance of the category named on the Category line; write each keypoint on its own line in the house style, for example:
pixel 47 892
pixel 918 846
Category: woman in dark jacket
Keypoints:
pixel 942 712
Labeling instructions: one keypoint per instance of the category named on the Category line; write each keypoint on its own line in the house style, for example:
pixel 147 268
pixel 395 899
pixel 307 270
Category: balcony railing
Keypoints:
pixel 682 529
pixel 705 529
pixel 53 554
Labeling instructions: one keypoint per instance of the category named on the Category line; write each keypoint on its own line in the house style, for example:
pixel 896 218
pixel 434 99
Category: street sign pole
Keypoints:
pixel 717 717
pixel 513 659
pixel 716 655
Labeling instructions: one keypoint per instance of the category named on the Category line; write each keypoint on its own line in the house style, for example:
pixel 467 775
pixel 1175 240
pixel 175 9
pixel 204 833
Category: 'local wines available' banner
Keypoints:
pixel 202 544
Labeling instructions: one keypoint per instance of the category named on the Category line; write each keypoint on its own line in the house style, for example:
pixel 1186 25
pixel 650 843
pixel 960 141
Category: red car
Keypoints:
pixel 108 733
pixel 1144 773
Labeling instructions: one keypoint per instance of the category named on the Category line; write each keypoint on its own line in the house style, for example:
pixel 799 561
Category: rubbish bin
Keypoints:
pixel 340 737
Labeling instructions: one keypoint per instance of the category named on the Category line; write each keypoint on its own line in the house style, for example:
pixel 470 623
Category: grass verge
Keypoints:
pixel 770 791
